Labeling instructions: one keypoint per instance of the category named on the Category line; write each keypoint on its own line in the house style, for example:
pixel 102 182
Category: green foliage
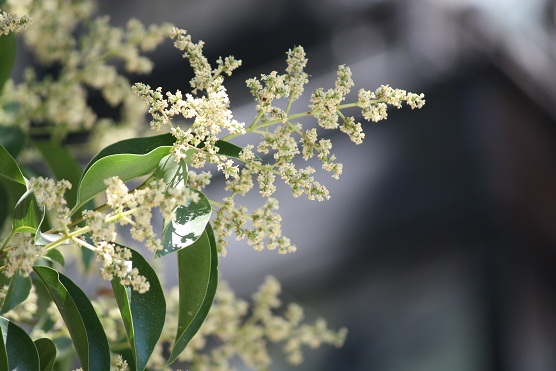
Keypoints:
pixel 143 314
pixel 19 351
pixel 80 318
pixel 42 218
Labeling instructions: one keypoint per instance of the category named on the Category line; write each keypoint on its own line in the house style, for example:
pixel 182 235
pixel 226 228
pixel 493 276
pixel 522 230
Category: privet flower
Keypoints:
pixel 234 329
pixel 12 23
pixel 22 254
pixel 50 194
pixel 85 61
pixel 206 111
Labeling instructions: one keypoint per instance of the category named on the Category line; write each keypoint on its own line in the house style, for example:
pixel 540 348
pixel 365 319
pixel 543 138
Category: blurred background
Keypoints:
pixel 437 249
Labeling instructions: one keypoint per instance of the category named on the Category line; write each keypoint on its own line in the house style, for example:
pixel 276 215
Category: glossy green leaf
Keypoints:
pixel 9 168
pixel 7 57
pixel 136 146
pixel 63 166
pixel 126 166
pixel 198 279
pixel 47 353
pixel 86 331
pixel 54 255
pixel 189 224
pixel 143 314
pixel 13 139
pixel 27 214
pixel 18 290
pixel 171 172
pixel 20 349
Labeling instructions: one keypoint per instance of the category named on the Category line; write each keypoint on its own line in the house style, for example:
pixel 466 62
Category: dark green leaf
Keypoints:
pixel 3 353
pixel 21 351
pixel 18 291
pixel 198 279
pixel 13 139
pixel 86 331
pixel 63 166
pixel 126 166
pixel 9 168
pixel 47 353
pixel 187 227
pixel 7 57
pixel 143 314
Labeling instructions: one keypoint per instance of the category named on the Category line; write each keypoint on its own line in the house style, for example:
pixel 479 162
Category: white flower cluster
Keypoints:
pixel 233 329
pixel 12 23
pixel 209 112
pixel 262 228
pixel 86 61
pixel 116 263
pixel 375 104
pixel 21 254
pixel 50 194
pixel 131 208
pixel 135 208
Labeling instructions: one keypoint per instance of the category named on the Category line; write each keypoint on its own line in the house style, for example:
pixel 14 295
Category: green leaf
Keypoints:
pixel 86 331
pixel 54 255
pixel 47 353
pixel 198 279
pixel 27 214
pixel 126 166
pixel 7 57
pixel 143 314
pixel 20 349
pixel 230 150
pixel 13 139
pixel 9 168
pixel 137 146
pixel 18 291
pixel 63 166
pixel 3 353
pixel 189 224
pixel 171 172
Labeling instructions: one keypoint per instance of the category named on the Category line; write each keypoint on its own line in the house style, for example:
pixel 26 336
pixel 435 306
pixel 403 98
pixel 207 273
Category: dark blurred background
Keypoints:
pixel 438 247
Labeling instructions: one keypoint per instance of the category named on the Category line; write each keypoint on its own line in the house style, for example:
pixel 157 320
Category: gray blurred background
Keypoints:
pixel 437 249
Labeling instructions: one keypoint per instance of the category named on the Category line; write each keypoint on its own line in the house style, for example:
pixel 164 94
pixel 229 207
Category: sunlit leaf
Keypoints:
pixel 19 348
pixel 198 279
pixel 143 314
pixel 47 353
pixel 187 227
pixel 171 172
pixel 126 166
pixel 86 331
pixel 18 290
